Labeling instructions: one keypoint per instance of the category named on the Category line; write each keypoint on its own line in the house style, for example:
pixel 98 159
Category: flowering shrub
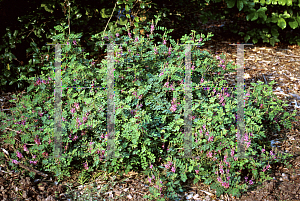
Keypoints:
pixel 149 101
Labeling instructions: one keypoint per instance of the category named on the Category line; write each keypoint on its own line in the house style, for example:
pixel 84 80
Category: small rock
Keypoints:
pixel 285 177
pixel 49 198
pixel 189 196
pixel 129 197
pixel 207 198
pixel 196 196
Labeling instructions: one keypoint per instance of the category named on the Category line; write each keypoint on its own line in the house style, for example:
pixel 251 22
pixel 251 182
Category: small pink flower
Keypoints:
pixel 173 108
pixel 85 165
pixel 19 155
pixel 152 28
pixel 75 138
pixel 25 148
pixel 117 34
pixel 15 161
pixel 84 119
pixel 197 171
pixel 173 169
pixel 170 49
pixel 167 166
pixel 45 154
pixel 76 105
pixel 149 179
pixel 165 42
pixel 151 166
pixel 226 184
pixel 41 114
pixel 37 140
pixel 250 182
pixel 200 40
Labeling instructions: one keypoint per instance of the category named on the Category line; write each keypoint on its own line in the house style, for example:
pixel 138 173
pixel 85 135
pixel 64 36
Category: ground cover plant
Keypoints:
pixel 149 100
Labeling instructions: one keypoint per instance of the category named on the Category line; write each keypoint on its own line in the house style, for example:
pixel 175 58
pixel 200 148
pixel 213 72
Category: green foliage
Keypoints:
pixel 32 29
pixel 148 125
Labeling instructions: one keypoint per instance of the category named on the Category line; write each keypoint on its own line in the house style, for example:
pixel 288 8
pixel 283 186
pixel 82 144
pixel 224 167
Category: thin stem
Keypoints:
pixel 109 18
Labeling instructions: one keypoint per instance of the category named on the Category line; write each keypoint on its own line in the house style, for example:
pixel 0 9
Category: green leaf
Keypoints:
pixel 106 12
pixel 240 5
pixel 268 2
pixel 142 5
pixel 285 15
pixel 183 177
pixel 252 16
pixel 281 23
pixel 261 13
pixel 281 2
pixel 47 8
pixel 122 21
pixel 254 40
pixel 247 37
pixel 293 23
pixel 289 2
pixel 230 3
pixel 274 32
pixel 15 33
